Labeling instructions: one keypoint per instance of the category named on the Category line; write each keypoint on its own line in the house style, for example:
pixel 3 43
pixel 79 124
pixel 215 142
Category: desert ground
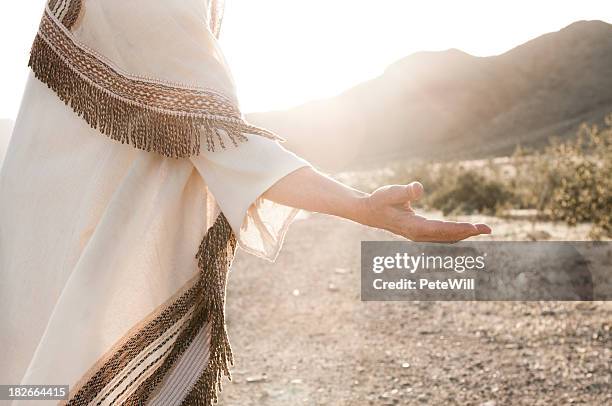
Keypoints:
pixel 302 336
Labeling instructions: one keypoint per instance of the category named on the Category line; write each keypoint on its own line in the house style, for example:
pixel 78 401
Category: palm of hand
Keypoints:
pixel 389 208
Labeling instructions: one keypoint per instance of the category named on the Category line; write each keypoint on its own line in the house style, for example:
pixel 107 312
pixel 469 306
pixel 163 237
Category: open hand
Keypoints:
pixel 389 208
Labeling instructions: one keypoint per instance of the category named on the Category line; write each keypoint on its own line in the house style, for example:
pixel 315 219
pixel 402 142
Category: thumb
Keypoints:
pixel 416 190
pixel 400 194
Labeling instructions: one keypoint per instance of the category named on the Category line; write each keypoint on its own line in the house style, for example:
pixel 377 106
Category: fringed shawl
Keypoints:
pixel 150 114
pixel 166 117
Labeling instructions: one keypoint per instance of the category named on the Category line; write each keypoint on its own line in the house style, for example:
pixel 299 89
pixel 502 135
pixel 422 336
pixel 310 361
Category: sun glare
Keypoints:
pixel 285 53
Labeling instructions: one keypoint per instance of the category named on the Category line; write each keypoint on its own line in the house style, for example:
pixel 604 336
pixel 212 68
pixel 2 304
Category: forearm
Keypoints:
pixel 309 189
pixel 388 207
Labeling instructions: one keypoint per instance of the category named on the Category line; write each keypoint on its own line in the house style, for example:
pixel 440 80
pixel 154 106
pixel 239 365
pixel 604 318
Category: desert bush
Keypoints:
pixel 580 179
pixel 470 192
pixel 568 181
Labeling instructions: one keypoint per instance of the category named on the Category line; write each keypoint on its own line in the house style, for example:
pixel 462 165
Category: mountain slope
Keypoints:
pixel 449 104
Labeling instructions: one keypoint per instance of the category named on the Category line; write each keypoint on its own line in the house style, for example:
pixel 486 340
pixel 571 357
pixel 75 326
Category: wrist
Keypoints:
pixel 362 209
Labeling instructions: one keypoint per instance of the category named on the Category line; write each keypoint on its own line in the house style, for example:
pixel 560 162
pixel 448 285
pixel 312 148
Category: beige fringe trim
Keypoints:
pixel 215 256
pixel 67 11
pixel 148 115
pixel 207 297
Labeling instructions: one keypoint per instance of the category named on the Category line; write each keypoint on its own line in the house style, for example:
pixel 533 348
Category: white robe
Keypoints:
pixel 95 235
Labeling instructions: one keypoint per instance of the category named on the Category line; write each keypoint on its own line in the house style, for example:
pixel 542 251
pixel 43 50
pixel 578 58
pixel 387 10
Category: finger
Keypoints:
pixel 461 231
pixel 452 231
pixel 448 231
pixel 483 228
pixel 401 194
pixel 456 231
pixel 416 191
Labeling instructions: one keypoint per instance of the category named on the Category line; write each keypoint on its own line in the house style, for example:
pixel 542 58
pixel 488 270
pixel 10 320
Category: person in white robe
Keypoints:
pixel 130 178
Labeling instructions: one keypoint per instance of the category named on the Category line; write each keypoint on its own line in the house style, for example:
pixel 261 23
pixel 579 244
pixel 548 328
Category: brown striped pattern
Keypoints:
pixel 150 115
pixel 151 355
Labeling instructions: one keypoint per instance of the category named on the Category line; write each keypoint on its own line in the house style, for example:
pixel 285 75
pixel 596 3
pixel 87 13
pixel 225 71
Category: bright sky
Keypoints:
pixel 286 52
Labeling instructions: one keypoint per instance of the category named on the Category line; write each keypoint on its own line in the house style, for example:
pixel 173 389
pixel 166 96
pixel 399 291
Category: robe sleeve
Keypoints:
pixel 238 177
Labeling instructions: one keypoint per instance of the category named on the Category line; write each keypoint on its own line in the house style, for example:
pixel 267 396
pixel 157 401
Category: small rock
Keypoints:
pixel 296 381
pixel 256 378
pixel 586 306
pixel 405 365
pixel 273 393
pixel 296 292
pixel 341 271
pixel 539 235
pixel 489 403
pixel 332 288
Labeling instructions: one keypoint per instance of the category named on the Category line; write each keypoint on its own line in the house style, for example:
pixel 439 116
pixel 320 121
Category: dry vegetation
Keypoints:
pixel 567 181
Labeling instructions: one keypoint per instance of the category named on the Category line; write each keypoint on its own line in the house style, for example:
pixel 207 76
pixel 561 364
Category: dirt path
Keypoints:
pixel 301 336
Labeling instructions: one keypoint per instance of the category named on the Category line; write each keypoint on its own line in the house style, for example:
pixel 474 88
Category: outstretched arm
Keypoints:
pixel 387 208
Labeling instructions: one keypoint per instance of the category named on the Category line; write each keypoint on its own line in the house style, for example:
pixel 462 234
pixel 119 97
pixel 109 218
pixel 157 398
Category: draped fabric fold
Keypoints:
pixel 147 113
pixel 161 86
pixel 132 371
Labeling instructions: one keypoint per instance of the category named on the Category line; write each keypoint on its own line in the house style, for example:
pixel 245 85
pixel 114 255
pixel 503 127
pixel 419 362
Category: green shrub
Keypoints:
pixel 581 180
pixel 471 192
pixel 568 181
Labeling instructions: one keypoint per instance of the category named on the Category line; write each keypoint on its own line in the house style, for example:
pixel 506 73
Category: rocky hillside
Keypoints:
pixel 438 105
